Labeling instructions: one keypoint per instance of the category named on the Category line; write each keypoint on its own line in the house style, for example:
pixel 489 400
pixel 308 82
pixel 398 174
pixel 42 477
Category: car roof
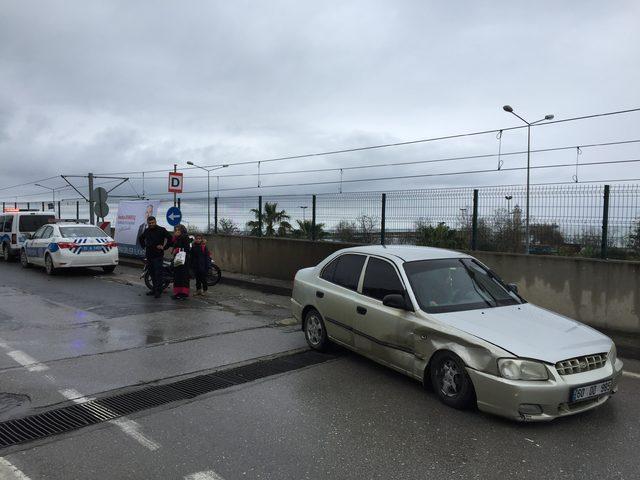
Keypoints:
pixel 408 253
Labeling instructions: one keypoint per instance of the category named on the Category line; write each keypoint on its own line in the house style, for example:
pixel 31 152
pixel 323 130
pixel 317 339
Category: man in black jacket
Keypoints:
pixel 155 240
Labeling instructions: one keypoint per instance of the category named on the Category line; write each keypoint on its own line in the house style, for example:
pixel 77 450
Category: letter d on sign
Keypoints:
pixel 175 182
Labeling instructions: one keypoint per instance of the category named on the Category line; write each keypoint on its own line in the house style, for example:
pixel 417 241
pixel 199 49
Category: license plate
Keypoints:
pixel 589 391
pixel 91 248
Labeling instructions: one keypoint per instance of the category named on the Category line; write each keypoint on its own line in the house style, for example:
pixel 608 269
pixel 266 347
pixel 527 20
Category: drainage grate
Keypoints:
pixel 73 417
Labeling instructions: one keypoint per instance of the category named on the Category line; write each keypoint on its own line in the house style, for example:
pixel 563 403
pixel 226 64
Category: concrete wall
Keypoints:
pixel 602 293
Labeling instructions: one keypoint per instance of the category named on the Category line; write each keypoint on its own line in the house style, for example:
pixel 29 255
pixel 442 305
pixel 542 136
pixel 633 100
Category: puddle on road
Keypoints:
pixel 12 404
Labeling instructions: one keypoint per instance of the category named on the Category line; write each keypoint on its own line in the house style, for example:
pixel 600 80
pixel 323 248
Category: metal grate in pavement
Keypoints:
pixel 73 417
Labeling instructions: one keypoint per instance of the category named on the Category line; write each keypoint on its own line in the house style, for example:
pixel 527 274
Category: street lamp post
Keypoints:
pixel 53 192
pixel 304 209
pixel 509 109
pixel 208 170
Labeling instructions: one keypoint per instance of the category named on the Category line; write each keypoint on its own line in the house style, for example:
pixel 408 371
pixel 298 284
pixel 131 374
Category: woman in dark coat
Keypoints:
pixel 181 272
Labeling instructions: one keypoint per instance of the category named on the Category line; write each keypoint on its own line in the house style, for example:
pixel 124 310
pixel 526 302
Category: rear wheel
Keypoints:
pixel 109 269
pixel 214 275
pixel 24 260
pixel 314 331
pixel 48 265
pixel 451 381
pixel 6 252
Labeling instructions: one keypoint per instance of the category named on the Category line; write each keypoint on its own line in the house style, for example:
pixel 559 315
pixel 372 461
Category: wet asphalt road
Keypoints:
pixel 83 334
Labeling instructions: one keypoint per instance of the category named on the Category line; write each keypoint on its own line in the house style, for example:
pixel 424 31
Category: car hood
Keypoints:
pixel 530 332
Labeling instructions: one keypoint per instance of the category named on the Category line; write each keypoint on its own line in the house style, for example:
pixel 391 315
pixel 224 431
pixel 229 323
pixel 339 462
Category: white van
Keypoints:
pixel 17 226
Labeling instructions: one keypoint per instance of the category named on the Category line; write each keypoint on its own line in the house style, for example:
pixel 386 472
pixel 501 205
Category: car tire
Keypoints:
pixel 314 331
pixel 48 265
pixel 24 260
pixel 6 253
pixel 451 382
pixel 109 269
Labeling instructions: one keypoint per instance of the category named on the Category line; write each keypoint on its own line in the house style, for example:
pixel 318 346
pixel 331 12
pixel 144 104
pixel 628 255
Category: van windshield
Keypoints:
pixel 452 285
pixel 30 223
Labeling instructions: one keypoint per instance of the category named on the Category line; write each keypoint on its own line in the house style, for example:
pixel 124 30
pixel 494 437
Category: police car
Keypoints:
pixel 66 245
pixel 16 226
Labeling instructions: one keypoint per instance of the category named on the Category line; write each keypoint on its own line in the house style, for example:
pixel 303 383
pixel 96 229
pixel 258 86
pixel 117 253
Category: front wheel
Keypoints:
pixel 314 331
pixel 451 381
pixel 24 260
pixel 214 275
pixel 48 265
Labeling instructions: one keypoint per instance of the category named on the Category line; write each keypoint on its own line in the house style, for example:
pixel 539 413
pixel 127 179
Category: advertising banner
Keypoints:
pixel 131 221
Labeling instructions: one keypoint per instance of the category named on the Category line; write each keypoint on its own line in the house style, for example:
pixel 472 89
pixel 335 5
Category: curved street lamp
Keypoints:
pixel 509 109
pixel 209 170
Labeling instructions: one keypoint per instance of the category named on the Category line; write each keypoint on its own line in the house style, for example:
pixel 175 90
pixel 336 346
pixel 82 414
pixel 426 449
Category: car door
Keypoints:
pixel 381 332
pixel 335 295
pixel 30 245
pixel 40 244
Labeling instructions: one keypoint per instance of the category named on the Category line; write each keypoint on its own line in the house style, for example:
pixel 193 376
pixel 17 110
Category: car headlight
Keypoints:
pixel 516 369
pixel 613 354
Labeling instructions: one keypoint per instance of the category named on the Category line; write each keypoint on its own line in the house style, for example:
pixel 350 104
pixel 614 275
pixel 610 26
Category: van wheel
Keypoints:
pixel 314 331
pixel 24 260
pixel 451 381
pixel 48 265
pixel 6 253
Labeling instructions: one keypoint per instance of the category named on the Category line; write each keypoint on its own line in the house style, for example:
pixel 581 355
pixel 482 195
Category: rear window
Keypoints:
pixel 348 271
pixel 31 223
pixel 8 223
pixel 75 232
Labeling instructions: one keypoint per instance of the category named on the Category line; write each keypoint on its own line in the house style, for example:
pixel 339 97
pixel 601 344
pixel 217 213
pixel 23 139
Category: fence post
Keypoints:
pixel 474 221
pixel 28 205
pixel 77 209
pixel 59 210
pixel 2 207
pixel 260 216
pixel 43 207
pixel 383 218
pixel 215 215
pixel 15 205
pixel 178 202
pixel 605 223
pixel 313 217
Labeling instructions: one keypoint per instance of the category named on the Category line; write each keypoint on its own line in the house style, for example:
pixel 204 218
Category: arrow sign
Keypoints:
pixel 174 216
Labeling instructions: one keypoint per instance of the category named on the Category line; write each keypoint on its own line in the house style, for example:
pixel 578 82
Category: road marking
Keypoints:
pixel 208 475
pixel 129 427
pixel 631 374
pixel 9 471
pixel 132 429
pixel 27 361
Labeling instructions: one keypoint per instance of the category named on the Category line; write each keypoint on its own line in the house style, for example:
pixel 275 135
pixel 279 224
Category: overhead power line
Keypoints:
pixel 404 177
pixel 389 145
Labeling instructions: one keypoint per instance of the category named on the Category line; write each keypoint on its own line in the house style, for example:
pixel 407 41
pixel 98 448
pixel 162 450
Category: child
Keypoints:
pixel 200 262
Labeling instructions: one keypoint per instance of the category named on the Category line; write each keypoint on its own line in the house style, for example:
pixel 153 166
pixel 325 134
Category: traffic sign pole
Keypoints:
pixel 175 170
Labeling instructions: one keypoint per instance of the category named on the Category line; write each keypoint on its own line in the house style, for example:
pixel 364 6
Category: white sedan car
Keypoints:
pixel 66 245
pixel 447 320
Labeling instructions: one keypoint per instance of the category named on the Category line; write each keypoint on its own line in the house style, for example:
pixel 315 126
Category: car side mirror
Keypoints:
pixel 513 287
pixel 396 301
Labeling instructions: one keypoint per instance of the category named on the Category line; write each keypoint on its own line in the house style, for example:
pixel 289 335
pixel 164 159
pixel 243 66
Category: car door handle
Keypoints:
pixel 361 310
pixel 320 294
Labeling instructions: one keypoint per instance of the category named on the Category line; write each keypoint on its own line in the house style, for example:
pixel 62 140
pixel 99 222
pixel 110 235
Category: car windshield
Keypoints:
pixel 451 285
pixel 76 232
pixel 31 223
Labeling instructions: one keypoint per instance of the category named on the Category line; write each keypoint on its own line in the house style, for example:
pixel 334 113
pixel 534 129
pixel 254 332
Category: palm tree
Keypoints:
pixel 306 229
pixel 270 218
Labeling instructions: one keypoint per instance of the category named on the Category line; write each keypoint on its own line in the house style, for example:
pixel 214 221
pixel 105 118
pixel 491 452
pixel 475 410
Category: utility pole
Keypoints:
pixel 92 217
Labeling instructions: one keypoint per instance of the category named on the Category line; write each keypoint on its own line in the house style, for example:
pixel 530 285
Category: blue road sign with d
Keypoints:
pixel 174 216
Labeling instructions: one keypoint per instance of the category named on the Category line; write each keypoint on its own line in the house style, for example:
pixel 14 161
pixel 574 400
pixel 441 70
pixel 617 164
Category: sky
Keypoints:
pixel 120 86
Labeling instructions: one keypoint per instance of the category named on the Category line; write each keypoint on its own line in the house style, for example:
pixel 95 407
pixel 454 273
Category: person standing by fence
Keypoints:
pixel 200 263
pixel 154 240
pixel 181 248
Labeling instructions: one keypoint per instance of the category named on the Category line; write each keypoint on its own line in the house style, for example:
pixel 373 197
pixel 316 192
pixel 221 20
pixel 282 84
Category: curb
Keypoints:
pixel 236 282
